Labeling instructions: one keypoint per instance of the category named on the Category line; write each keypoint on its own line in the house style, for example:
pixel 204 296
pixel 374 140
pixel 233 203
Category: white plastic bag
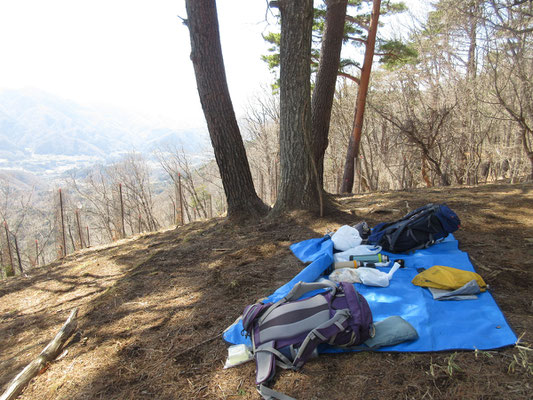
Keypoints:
pixel 345 238
pixel 375 277
pixel 360 250
pixel 345 275
pixel 238 354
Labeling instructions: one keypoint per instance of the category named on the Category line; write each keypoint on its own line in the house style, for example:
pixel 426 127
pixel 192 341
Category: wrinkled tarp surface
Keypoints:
pixel 450 325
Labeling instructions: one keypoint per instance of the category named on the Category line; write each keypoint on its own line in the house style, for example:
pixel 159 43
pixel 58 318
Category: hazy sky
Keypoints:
pixel 133 54
pixel 128 53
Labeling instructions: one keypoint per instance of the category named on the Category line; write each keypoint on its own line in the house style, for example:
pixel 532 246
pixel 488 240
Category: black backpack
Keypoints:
pixel 417 230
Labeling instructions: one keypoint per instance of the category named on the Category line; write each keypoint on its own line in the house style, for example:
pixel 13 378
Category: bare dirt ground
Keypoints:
pixel 152 309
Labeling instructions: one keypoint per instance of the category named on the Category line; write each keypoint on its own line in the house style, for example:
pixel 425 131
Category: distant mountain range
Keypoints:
pixel 22 180
pixel 42 133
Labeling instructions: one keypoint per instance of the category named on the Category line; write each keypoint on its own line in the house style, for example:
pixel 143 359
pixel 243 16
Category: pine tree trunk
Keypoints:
pixel 349 168
pixel 299 187
pixel 322 100
pixel 353 151
pixel 206 56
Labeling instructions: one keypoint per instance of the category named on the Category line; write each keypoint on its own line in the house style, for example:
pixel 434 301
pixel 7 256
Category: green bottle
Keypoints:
pixel 375 258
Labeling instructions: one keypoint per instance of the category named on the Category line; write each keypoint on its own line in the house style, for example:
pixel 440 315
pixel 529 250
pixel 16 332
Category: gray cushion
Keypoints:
pixel 391 331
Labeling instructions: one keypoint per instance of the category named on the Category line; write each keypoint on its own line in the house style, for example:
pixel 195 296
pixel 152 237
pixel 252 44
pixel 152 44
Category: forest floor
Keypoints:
pixel 152 309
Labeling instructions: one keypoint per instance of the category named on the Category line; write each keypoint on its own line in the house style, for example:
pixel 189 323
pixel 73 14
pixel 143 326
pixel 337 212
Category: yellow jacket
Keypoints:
pixel 448 278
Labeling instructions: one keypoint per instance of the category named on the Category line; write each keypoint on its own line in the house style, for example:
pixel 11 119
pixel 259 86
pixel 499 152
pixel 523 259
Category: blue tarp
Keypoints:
pixel 441 325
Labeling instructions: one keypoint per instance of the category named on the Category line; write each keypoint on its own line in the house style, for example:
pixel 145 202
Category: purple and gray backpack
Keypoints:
pixel 287 333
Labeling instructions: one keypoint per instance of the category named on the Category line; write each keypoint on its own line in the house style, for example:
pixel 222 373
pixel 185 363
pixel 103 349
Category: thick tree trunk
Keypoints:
pixel 326 78
pixel 206 55
pixel 347 183
pixel 299 187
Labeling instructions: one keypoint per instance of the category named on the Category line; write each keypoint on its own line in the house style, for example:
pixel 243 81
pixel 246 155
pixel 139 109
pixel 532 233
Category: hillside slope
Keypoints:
pixel 152 309
pixel 46 134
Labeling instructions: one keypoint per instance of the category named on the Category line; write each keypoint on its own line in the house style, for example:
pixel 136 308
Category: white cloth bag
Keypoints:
pixel 374 277
pixel 346 238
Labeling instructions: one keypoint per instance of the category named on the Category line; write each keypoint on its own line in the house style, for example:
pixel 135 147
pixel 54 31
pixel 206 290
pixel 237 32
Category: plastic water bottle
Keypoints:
pixel 374 258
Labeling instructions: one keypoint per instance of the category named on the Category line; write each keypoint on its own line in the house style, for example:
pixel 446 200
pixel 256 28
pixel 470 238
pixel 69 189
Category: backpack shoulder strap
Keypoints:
pixel 298 291
pixel 392 237
pixel 321 334
pixel 430 207
pixel 270 394
pixel 302 288
pixel 405 223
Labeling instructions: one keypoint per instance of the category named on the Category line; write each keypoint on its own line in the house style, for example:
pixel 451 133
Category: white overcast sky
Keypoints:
pixel 131 54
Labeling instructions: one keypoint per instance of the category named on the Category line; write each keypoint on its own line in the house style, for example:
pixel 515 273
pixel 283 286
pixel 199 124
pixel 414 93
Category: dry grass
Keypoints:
pixel 152 309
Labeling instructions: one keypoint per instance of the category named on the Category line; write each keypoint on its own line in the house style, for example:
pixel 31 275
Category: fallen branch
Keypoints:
pixel 48 354
pixel 480 265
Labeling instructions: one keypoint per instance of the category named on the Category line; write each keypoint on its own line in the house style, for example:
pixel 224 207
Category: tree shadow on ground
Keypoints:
pixel 33 307
pixel 184 294
pixel 156 332
pixel 191 285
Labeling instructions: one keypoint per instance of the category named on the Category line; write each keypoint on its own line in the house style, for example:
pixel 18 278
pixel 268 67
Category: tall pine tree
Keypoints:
pixel 206 56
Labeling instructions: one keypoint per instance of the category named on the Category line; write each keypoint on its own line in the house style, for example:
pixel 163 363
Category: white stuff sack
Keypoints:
pixel 345 238
pixel 345 275
pixel 374 277
pixel 361 250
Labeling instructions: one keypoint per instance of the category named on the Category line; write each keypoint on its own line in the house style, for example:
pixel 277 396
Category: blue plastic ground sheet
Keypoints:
pixel 441 325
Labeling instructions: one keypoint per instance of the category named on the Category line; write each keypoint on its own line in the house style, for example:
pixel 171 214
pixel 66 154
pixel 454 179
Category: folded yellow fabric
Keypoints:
pixel 448 278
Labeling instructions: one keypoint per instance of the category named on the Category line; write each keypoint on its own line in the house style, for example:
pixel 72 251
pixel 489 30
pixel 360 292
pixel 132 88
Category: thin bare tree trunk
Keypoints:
pixel 180 190
pixel 122 211
pixel 80 235
pixel 71 236
pixel 527 149
pixel 12 272
pixel 88 237
pixel 18 254
pixel 353 151
pixel 62 223
pixel 3 272
pixel 36 253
